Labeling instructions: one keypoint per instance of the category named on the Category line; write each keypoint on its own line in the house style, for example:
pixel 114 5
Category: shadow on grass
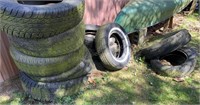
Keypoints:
pixel 146 87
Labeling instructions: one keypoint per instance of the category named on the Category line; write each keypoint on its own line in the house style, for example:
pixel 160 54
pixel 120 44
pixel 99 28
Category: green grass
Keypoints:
pixel 137 85
pixel 140 85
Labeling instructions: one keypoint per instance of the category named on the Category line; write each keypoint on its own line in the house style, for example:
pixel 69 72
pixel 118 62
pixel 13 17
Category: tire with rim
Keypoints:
pixel 36 66
pixel 39 19
pixel 179 63
pixel 58 45
pixel 82 69
pixel 113 46
pixel 168 44
pixel 49 91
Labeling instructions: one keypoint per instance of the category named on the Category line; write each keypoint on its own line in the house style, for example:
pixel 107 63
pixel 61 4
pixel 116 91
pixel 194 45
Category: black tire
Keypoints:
pixel 39 21
pixel 91 28
pixel 89 41
pixel 181 67
pixel 166 45
pixel 113 34
pixel 47 66
pixel 80 70
pixel 58 45
pixel 50 91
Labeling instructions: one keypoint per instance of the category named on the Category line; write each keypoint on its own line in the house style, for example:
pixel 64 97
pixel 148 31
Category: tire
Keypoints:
pixel 89 41
pixel 47 66
pixel 49 91
pixel 82 69
pixel 166 45
pixel 39 21
pixel 58 45
pixel 113 34
pixel 183 67
pixel 91 28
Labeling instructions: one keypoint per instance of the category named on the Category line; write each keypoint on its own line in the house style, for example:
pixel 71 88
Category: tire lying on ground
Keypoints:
pixel 179 63
pixel 82 69
pixel 39 19
pixel 113 46
pixel 168 44
pixel 36 66
pixel 50 91
pixel 61 44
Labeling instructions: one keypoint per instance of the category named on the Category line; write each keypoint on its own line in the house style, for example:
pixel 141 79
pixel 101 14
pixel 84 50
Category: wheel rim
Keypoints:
pixel 115 45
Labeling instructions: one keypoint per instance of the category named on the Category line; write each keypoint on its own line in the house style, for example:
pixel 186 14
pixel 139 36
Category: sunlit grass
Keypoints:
pixel 136 85
pixel 140 85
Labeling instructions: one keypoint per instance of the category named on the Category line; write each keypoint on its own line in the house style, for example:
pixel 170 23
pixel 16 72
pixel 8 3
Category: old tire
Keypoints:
pixel 58 45
pixel 39 21
pixel 171 43
pixel 36 66
pixel 182 63
pixel 49 91
pixel 82 69
pixel 113 46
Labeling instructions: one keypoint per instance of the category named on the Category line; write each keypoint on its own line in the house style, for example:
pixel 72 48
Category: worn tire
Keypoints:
pixel 174 41
pixel 58 45
pixel 102 43
pixel 47 66
pixel 82 69
pixel 39 21
pixel 50 91
pixel 181 70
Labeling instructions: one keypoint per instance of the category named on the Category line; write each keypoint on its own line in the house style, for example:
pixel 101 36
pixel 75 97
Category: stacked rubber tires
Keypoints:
pixel 169 55
pixel 47 45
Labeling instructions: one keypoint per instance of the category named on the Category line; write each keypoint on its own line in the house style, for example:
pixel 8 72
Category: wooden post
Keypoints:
pixel 138 38
pixel 193 7
pixel 142 35
pixel 190 8
pixel 168 24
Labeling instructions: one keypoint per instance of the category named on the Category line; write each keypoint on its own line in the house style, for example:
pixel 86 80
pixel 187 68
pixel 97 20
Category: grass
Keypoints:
pixel 138 84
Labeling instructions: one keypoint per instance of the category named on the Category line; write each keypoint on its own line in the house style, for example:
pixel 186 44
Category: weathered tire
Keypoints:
pixel 50 91
pixel 180 70
pixel 47 66
pixel 58 45
pixel 39 21
pixel 80 70
pixel 113 60
pixel 166 45
pixel 89 41
pixel 90 27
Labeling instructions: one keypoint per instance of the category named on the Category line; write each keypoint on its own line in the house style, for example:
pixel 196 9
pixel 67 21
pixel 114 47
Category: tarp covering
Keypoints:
pixel 139 14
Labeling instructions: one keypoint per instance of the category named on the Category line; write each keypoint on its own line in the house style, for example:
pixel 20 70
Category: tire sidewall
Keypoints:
pixel 55 5
pixel 124 59
pixel 125 42
pixel 182 70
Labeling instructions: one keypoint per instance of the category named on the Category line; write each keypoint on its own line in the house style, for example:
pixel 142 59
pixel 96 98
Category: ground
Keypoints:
pixel 137 84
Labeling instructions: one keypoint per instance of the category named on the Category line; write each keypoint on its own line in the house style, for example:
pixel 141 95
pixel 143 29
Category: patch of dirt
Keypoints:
pixel 180 19
pixel 9 87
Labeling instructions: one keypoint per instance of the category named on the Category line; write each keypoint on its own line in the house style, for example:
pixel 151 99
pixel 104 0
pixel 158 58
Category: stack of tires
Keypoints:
pixel 170 55
pixel 47 45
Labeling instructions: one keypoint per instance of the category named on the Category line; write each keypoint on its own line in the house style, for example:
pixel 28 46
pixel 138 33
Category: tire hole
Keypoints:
pixel 175 58
pixel 35 2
